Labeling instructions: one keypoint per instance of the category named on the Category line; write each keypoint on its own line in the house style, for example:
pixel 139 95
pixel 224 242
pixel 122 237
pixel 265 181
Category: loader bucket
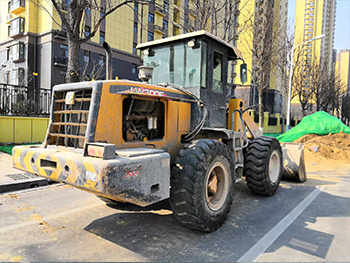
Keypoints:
pixel 293 162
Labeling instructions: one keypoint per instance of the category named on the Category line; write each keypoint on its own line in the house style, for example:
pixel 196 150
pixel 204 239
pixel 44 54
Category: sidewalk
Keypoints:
pixel 12 179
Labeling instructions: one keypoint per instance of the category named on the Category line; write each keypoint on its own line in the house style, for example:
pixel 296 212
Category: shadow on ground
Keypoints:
pixel 153 232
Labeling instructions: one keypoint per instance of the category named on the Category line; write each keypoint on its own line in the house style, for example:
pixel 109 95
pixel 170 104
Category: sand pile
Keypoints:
pixel 327 147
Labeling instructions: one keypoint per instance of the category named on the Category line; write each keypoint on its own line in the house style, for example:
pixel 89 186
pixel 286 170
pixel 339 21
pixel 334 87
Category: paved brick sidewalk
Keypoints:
pixel 12 179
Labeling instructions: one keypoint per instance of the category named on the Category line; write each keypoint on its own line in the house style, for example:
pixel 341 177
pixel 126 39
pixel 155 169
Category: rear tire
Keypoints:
pixel 111 202
pixel 263 165
pixel 202 182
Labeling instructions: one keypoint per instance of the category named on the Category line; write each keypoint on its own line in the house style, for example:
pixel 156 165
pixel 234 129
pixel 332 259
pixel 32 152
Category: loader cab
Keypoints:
pixel 196 61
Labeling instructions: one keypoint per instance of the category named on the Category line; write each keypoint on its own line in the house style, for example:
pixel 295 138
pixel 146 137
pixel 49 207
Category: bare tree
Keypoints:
pixel 96 71
pixel 263 31
pixel 71 19
pixel 219 17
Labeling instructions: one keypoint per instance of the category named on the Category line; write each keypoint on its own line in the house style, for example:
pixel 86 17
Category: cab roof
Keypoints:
pixel 233 52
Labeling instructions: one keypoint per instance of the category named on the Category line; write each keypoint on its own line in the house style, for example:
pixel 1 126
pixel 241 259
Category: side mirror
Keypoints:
pixel 243 73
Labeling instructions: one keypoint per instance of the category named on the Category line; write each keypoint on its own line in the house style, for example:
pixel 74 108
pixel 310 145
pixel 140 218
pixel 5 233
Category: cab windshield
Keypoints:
pixel 177 64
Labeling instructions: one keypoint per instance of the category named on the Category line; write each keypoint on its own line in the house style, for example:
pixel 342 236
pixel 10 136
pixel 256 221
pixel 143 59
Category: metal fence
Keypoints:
pixel 24 101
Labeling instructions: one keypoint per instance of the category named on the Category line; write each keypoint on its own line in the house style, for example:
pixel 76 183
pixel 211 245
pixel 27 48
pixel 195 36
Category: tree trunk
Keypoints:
pixel 72 74
pixel 303 110
pixel 261 110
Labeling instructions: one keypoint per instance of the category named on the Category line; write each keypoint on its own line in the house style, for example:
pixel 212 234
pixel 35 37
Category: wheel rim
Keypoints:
pixel 217 186
pixel 274 167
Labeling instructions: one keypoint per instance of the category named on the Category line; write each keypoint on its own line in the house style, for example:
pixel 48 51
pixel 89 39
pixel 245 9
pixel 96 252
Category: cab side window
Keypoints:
pixel 217 72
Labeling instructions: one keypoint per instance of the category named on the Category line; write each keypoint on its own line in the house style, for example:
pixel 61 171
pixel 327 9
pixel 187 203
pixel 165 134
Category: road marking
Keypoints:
pixel 265 242
pixel 20 225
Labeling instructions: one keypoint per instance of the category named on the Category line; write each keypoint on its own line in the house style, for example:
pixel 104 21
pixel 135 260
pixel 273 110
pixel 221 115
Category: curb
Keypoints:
pixel 24 184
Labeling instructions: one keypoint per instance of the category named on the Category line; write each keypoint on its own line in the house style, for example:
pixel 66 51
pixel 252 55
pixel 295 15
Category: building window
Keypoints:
pixel 136 8
pixel 165 25
pixel 135 27
pixel 134 50
pixel 87 30
pixel 64 51
pixel 102 36
pixel 14 4
pixel 150 36
pixel 311 19
pixel 16 26
pixel 217 73
pixel 102 11
pixel 134 69
pixel 86 56
pixel 101 60
pixel 166 7
pixel 16 52
pixel 150 18
pixel 87 10
pixel 17 76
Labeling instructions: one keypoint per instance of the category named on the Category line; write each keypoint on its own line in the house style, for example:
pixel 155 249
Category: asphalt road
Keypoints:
pixel 302 222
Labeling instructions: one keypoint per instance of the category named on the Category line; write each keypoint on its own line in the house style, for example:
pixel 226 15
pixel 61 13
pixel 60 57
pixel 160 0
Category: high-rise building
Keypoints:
pixel 261 24
pixel 343 68
pixel 314 18
pixel 34 49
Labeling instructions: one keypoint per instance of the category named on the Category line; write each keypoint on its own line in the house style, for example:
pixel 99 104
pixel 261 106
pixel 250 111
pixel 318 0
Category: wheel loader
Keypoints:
pixel 179 134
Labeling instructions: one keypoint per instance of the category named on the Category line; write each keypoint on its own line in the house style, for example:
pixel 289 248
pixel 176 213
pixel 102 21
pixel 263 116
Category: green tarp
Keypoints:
pixel 8 148
pixel 320 123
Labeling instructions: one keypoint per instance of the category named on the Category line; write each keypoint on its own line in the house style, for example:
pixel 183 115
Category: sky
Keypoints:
pixel 342 22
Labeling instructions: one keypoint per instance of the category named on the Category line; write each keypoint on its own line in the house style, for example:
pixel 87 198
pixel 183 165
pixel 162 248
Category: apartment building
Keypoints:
pixel 255 18
pixel 314 18
pixel 34 50
pixel 343 68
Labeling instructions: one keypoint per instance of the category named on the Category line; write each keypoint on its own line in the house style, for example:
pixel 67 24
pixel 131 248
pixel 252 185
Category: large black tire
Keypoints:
pixel 202 182
pixel 263 165
pixel 111 202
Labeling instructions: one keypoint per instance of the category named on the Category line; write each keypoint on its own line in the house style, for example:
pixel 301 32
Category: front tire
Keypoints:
pixel 202 182
pixel 263 165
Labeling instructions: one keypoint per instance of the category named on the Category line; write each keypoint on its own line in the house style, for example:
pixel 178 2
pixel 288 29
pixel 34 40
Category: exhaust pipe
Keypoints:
pixel 109 61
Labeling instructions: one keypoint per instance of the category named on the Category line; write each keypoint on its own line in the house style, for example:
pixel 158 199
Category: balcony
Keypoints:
pixel 64 7
pixel 193 11
pixel 159 10
pixel 16 28
pixel 8 18
pixel 16 52
pixel 16 6
pixel 60 61
pixel 176 24
pixel 158 29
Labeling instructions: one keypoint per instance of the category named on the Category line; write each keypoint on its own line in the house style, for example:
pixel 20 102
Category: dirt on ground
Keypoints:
pixel 326 148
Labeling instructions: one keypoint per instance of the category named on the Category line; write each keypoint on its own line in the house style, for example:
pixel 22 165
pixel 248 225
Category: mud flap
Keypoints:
pixel 293 162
